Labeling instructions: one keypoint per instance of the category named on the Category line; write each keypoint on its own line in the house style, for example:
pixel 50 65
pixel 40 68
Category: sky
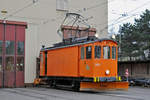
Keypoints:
pixel 123 11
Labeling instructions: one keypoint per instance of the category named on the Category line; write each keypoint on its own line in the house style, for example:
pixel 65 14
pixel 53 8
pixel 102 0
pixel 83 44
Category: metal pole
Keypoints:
pixel 3 57
pixel 15 58
pixel 120 48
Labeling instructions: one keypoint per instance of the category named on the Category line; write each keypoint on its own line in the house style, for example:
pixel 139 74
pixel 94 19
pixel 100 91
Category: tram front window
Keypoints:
pixel 106 52
pixel 97 51
pixel 113 52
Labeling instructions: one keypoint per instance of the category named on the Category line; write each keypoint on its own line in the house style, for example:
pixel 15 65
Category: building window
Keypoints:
pixel 113 52
pixel 20 48
pixel 20 64
pixel 106 52
pixel 97 51
pixel 82 52
pixel 88 52
pixel 9 63
pixel 1 47
pixel 10 47
pixel 62 5
pixel 0 63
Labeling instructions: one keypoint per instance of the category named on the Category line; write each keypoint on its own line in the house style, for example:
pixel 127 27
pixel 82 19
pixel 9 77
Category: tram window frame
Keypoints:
pixel 114 50
pixel 98 52
pixel 82 53
pixel 88 52
pixel 106 51
pixel 41 59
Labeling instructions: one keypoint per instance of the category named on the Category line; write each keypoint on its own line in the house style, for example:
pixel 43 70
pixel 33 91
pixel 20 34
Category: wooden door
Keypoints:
pixel 9 56
pixel 1 54
pixel 20 53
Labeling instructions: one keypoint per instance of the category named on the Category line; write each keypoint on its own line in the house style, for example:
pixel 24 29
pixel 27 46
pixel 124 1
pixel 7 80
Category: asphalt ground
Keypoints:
pixel 133 93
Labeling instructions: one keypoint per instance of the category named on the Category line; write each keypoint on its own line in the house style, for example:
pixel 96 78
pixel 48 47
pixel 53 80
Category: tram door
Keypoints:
pixel 86 57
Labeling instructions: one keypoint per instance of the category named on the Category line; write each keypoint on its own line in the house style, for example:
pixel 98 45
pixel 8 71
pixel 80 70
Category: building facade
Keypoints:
pixel 44 18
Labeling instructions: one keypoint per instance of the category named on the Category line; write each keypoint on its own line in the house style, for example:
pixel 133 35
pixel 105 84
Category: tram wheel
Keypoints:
pixel 76 86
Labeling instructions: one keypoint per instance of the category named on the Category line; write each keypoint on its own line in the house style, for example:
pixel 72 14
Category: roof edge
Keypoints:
pixel 70 45
pixel 13 22
pixel 109 40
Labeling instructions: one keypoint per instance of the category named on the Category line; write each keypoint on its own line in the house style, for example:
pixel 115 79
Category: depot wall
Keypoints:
pixel 43 21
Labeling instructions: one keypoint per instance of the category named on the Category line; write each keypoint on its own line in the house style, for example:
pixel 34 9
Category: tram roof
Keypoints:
pixel 75 44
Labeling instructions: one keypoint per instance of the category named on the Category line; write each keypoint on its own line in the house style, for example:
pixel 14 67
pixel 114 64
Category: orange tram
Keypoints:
pixel 82 65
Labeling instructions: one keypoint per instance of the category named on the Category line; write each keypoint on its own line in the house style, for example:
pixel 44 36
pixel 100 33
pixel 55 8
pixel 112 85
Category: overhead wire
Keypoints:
pixel 136 8
pixel 21 9
pixel 94 6
pixel 106 27
pixel 89 8
pixel 120 14
pixel 99 5
pixel 146 3
pixel 35 18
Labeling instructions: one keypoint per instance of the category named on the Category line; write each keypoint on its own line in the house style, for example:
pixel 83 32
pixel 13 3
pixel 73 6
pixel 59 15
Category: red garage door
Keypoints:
pixel 20 48
pixel 9 56
pixel 12 46
pixel 1 54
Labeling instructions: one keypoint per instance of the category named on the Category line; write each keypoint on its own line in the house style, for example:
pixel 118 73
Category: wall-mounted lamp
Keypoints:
pixel 4 12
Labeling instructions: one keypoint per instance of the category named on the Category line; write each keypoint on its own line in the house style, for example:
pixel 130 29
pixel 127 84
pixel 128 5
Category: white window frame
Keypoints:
pixel 62 5
pixel 106 52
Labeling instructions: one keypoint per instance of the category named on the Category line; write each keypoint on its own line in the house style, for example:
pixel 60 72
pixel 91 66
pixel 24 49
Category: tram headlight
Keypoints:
pixel 107 72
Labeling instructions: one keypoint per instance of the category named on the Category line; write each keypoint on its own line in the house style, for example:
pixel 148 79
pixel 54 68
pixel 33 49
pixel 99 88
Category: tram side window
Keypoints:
pixel 97 51
pixel 113 52
pixel 82 52
pixel 88 52
pixel 106 52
